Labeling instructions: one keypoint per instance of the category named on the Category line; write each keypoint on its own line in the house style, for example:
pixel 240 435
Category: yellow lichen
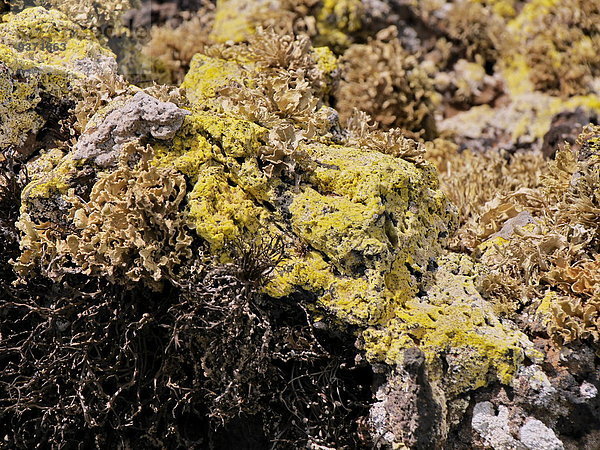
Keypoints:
pixel 220 212
pixel 41 71
pixel 455 328
pixel 233 19
pixel 336 20
pixel 206 76
pixel 328 23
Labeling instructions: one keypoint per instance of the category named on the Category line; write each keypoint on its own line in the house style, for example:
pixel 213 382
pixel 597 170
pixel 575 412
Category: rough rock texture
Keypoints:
pixel 494 427
pixel 497 430
pixel 409 409
pixel 535 435
pixel 37 79
pixel 140 117
pixel 465 343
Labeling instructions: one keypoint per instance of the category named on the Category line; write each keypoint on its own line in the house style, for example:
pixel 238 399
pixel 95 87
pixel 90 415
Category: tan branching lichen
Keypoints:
pixel 549 238
pixel 132 228
pixel 363 133
pixel 477 28
pixel 574 319
pixel 171 49
pixel 277 81
pixel 481 186
pixel 383 80
pixel 326 22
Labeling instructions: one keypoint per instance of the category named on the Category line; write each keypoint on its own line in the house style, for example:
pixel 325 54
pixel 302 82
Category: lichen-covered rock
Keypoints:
pixel 131 228
pixel 42 56
pixel 363 231
pixel 521 124
pixel 465 343
pixel 264 156
pixel 356 211
pixel 100 16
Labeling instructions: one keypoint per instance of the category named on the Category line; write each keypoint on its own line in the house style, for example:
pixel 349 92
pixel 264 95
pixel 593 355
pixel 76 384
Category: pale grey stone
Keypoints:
pixel 141 116
pixel 537 436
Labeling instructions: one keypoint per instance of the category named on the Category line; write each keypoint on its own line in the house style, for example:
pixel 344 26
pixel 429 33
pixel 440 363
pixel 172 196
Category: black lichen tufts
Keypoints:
pixel 208 362
pixel 257 259
pixel 12 181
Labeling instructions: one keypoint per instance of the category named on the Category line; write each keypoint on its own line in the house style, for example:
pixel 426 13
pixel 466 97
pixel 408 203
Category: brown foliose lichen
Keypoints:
pixel 383 80
pixel 131 228
pixel 551 240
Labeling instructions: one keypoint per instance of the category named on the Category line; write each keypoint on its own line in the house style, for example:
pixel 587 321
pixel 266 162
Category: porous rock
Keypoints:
pixel 494 427
pixel 141 116
pixel 409 409
pixel 537 436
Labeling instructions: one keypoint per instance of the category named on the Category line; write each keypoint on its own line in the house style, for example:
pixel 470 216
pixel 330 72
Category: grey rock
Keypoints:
pixel 409 409
pixel 520 220
pixel 537 436
pixel 142 116
pixel 494 428
pixel 588 390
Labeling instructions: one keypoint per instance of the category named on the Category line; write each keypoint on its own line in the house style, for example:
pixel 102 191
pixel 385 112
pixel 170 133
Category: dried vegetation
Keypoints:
pixel 383 80
pixel 535 226
pixel 194 365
